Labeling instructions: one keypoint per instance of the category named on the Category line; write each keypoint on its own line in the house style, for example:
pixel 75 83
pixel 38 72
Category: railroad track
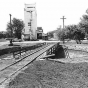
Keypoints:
pixel 23 56
pixel 8 72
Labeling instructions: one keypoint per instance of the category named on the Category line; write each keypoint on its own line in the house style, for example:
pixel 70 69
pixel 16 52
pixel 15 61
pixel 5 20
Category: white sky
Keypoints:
pixel 49 12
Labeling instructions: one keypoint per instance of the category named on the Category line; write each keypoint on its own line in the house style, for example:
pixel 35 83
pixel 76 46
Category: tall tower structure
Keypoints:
pixel 30 20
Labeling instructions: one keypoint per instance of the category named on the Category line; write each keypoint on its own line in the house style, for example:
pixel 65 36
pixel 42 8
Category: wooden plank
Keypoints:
pixel 47 56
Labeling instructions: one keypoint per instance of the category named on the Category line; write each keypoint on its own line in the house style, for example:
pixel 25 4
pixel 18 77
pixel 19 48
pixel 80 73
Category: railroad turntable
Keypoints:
pixel 48 72
pixel 6 72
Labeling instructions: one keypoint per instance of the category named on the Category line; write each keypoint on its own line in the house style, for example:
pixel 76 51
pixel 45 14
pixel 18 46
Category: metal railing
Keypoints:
pixel 18 51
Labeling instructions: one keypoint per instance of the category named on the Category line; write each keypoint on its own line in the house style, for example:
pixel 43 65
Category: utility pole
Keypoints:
pixel 63 18
pixel 11 44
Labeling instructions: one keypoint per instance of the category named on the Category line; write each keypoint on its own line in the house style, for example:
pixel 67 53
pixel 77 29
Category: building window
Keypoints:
pixel 30 7
pixel 29 23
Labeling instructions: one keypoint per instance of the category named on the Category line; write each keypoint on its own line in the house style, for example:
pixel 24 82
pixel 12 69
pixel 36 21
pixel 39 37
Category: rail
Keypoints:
pixel 58 51
pixel 25 61
pixel 18 52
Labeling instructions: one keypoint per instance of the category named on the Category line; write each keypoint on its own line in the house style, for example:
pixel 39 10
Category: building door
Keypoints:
pixel 39 35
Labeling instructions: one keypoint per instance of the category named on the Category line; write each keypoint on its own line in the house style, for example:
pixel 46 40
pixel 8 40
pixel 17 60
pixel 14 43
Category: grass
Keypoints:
pixel 3 40
pixel 74 42
pixel 15 45
pixel 49 74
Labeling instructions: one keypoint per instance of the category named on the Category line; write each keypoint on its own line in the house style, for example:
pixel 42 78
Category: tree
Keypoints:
pixel 17 25
pixel 84 24
pixel 76 33
pixel 72 32
pixel 1 35
pixel 50 34
pixel 61 34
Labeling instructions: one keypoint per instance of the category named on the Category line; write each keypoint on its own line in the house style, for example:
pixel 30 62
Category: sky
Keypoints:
pixel 49 12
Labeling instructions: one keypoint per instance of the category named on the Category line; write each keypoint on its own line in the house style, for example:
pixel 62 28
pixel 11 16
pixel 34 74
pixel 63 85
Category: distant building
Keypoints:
pixel 54 34
pixel 30 20
pixel 31 31
pixel 39 32
pixel 40 35
pixel 45 36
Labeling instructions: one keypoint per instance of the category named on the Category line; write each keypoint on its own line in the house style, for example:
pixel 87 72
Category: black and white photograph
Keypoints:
pixel 43 43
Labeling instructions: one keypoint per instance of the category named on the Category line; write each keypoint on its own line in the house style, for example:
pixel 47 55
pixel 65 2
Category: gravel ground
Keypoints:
pixel 83 47
pixel 49 74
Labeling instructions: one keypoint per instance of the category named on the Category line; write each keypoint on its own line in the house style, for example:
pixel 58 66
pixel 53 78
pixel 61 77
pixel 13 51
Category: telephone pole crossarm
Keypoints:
pixel 63 18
